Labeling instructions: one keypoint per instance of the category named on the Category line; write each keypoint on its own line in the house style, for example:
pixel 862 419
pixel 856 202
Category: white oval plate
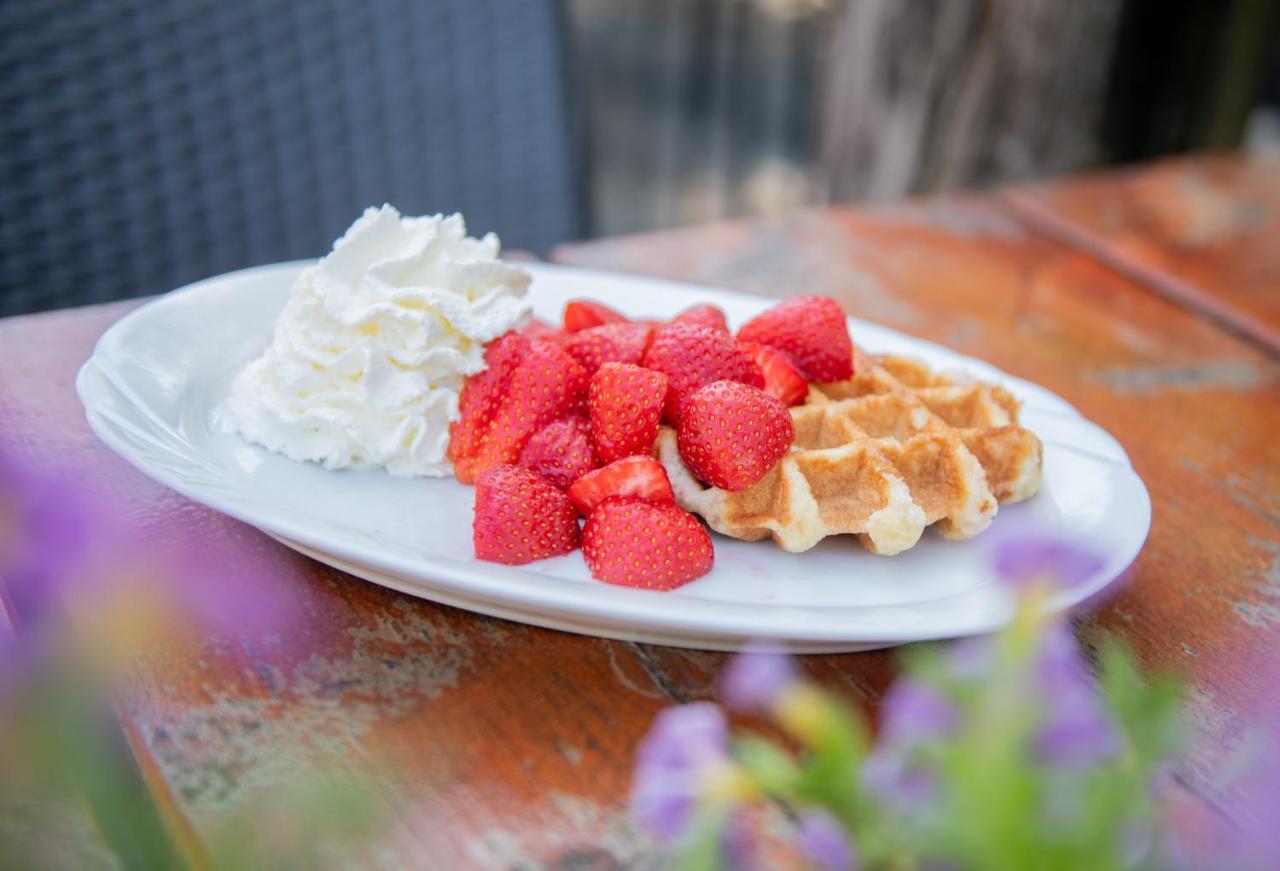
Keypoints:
pixel 156 375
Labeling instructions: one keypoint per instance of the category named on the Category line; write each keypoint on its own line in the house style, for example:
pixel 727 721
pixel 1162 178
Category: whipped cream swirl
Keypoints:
pixel 370 353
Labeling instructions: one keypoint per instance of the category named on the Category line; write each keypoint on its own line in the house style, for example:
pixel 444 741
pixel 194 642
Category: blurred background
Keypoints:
pixel 144 145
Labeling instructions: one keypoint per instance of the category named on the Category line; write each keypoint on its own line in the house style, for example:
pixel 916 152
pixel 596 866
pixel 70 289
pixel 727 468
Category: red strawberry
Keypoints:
pixel 692 356
pixel 703 316
pixel 520 518
pixel 782 380
pixel 609 343
pixel 537 329
pixel 644 544
pixel 480 398
pixel 625 405
pixel 581 314
pixel 502 407
pixel 813 330
pixel 731 434
pixel 639 477
pixel 560 452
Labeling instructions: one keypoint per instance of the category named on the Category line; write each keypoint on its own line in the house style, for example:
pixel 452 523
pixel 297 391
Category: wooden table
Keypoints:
pixel 1149 298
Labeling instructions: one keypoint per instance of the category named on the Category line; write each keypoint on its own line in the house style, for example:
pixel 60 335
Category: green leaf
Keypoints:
pixel 702 847
pixel 771 767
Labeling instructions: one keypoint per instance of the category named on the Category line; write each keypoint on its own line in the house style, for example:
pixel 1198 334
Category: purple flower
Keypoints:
pixel 757 677
pixel 892 775
pixel 824 842
pixel 44 539
pixel 1023 558
pixel 970 659
pixel 237 588
pixel 672 763
pixel 914 711
pixel 1077 729
pixel 737 844
pixel 58 544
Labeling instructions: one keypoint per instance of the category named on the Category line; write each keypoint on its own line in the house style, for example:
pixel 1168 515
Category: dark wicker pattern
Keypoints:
pixel 149 144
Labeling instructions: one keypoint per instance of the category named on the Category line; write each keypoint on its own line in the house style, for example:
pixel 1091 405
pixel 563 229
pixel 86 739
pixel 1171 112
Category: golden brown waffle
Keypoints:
pixel 883 455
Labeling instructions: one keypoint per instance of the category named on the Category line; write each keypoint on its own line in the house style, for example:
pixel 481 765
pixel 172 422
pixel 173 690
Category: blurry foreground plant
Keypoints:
pixel 993 753
pixel 64 760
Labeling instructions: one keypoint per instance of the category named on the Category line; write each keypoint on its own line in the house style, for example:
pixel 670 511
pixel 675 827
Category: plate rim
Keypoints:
pixel 462 577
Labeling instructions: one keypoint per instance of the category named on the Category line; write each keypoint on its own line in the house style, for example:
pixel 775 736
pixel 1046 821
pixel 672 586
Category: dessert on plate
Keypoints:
pixel 784 430
pixel 410 347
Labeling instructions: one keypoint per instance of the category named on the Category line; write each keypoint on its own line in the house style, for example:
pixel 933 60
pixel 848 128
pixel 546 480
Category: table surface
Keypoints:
pixel 1147 297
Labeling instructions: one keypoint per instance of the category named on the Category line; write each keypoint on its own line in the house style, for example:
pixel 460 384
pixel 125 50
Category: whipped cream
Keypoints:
pixel 370 353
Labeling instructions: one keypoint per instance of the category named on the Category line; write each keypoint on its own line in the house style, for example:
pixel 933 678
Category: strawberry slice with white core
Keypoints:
pixel 638 477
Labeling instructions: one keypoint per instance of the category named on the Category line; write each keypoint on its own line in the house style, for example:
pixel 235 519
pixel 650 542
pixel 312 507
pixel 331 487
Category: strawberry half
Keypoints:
pixel 703 316
pixel 560 452
pixel 624 403
pixel 782 380
pixel 481 396
pixel 693 356
pixel 813 330
pixel 654 546
pixel 520 518
pixel 582 314
pixel 528 384
pixel 639 477
pixel 731 434
pixel 609 343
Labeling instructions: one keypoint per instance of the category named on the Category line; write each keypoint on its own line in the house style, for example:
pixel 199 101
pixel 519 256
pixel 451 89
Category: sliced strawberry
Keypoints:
pixel 813 330
pixel 512 403
pixel 654 546
pixel 544 331
pixel 610 343
pixel 520 518
pixel 625 406
pixel 703 316
pixel 692 356
pixel 731 434
pixel 782 380
pixel 479 402
pixel 560 452
pixel 639 477
pixel 582 314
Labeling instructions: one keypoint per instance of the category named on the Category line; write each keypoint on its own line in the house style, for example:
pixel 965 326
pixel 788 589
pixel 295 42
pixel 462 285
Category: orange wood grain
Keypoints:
pixel 501 744
pixel 1201 230
pixel 1195 407
pixel 496 743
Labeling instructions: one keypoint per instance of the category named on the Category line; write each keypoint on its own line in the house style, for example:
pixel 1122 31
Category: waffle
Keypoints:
pixel 883 455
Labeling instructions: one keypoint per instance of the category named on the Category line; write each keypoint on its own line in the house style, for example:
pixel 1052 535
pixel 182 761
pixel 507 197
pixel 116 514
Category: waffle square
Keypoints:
pixel 894 449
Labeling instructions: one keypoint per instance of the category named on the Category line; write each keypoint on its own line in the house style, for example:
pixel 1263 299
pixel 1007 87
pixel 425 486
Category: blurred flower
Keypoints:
pixel 893 775
pixel 913 711
pixel 44 532
pixel 824 843
pixel 683 752
pixel 1025 558
pixel 1251 774
pixel 757 677
pixel 1260 845
pixel 970 659
pixel 1076 729
pixel 737 845
pixel 241 590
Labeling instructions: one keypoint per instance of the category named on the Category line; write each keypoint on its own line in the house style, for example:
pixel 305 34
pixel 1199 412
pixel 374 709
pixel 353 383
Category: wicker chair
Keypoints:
pixel 145 144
